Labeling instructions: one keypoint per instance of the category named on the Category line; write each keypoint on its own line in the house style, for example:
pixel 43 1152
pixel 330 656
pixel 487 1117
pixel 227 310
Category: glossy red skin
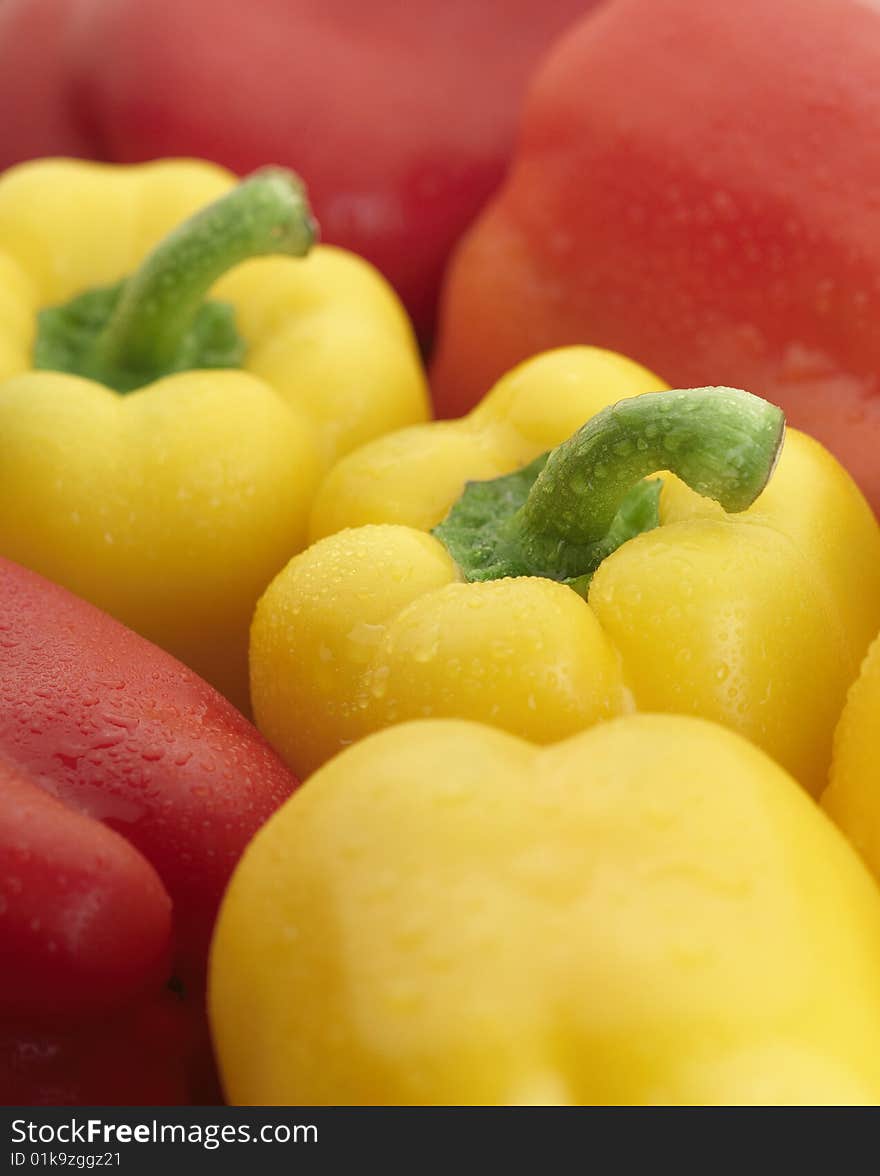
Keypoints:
pixel 128 790
pixel 696 186
pixel 400 117
pixel 154 1052
pixel 84 917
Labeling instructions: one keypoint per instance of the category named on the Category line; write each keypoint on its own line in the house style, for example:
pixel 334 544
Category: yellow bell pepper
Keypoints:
pixel 649 912
pixel 167 493
pixel 756 620
pixel 852 798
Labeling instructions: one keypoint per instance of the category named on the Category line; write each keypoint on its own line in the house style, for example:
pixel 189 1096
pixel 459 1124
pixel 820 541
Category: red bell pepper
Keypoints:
pixel 695 186
pixel 399 116
pixel 128 790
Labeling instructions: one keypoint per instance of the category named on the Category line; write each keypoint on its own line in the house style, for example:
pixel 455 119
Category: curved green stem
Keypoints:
pixel 157 320
pixel 266 213
pixel 562 515
pixel 723 442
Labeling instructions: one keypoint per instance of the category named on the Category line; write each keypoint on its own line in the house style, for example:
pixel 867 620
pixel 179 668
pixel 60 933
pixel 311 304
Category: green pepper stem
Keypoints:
pixel 266 213
pixel 723 442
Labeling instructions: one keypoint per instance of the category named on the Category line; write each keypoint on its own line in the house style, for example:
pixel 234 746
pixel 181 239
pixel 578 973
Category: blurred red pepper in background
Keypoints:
pixel 697 186
pixel 128 790
pixel 399 116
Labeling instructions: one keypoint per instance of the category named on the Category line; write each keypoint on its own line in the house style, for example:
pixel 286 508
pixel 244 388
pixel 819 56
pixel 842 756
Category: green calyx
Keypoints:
pixel 568 510
pixel 156 321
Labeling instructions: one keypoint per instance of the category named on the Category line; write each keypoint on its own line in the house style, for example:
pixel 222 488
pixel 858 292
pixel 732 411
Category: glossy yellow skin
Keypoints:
pixel 649 912
pixel 414 475
pixel 758 620
pixel 173 506
pixel 852 797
